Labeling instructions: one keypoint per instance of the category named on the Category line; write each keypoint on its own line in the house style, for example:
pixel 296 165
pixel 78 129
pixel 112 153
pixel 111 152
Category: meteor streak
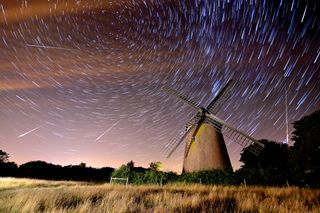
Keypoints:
pixel 50 47
pixel 32 130
pixel 105 132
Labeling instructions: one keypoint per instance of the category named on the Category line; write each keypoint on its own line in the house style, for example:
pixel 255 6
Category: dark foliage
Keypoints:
pixel 8 169
pixel 274 155
pixel 263 177
pixel 43 170
pixel 305 154
pixel 40 169
pixel 223 177
pixel 139 175
pixel 4 157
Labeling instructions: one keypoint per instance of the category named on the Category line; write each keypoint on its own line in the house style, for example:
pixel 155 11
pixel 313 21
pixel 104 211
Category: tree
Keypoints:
pixel 40 169
pixel 4 157
pixel 155 166
pixel 274 155
pixel 130 165
pixel 305 154
pixel 124 170
pixel 83 165
pixel 8 169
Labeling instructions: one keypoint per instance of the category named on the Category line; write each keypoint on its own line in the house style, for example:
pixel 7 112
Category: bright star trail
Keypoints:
pixel 26 133
pixel 105 132
pixel 126 50
pixel 48 47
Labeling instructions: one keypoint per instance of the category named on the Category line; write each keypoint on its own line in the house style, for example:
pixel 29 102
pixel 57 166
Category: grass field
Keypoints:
pixel 25 195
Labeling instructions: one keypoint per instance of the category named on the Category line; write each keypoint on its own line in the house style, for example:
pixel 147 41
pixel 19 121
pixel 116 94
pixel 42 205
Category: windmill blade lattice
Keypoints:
pixel 181 97
pixel 237 136
pixel 169 148
pixel 192 139
pixel 215 105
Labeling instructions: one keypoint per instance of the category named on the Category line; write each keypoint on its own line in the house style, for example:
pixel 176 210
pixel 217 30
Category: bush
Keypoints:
pixel 223 177
pixel 8 169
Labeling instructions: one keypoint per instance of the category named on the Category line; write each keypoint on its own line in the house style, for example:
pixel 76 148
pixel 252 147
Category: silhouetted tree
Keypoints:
pixel 270 167
pixel 274 155
pixel 7 168
pixel 4 157
pixel 130 165
pixel 82 165
pixel 305 154
pixel 41 169
pixel 44 170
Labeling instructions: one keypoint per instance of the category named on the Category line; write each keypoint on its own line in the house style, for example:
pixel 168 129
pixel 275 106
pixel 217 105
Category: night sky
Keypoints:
pixel 92 92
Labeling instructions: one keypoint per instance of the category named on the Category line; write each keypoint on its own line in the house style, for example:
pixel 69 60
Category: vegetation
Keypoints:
pixel 297 165
pixel 43 170
pixel 277 165
pixel 152 190
pixel 274 155
pixel 7 168
pixel 48 171
pixel 305 154
pixel 23 195
pixel 4 157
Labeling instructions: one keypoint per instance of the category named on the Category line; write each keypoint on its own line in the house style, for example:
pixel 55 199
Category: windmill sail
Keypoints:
pixel 220 99
pixel 169 148
pixel 210 150
pixel 181 97
pixel 201 118
pixel 235 135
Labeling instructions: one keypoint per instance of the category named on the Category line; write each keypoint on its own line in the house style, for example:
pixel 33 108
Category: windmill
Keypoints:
pixel 205 147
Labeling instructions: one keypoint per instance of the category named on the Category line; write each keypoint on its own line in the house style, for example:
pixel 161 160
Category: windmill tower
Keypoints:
pixel 205 148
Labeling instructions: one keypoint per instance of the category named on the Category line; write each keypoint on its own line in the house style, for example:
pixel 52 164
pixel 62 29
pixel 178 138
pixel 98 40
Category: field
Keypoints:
pixel 25 195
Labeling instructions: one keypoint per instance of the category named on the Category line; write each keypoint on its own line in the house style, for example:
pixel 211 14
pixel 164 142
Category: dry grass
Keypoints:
pixel 24 195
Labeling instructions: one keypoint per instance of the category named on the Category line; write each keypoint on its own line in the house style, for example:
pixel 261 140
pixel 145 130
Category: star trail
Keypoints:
pixel 92 71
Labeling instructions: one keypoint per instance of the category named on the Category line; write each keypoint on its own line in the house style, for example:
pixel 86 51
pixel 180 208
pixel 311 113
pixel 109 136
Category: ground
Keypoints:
pixel 26 195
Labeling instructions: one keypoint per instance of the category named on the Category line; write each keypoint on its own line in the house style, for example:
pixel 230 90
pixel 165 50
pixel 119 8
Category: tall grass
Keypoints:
pixel 23 195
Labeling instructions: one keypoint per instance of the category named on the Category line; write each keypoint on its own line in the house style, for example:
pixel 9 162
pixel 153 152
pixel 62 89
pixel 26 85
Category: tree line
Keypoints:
pixel 277 165
pixel 48 171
